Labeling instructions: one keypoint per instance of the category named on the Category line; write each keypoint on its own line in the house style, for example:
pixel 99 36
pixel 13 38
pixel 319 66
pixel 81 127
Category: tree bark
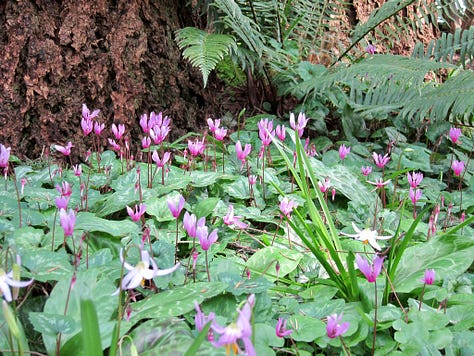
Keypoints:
pixel 115 55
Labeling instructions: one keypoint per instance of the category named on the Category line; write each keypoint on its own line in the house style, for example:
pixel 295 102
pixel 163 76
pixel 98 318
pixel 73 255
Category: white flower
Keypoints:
pixel 367 236
pixel 141 271
pixel 7 281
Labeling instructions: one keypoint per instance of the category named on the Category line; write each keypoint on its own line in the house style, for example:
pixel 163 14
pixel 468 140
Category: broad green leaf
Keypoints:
pixel 306 328
pixel 264 261
pixel 90 329
pixel 175 302
pixel 90 222
pixel 52 324
pixel 46 265
pixel 448 255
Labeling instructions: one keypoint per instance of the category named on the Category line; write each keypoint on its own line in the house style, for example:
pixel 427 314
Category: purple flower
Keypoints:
pixel 4 156
pixel 65 150
pixel 159 133
pixel 213 124
pixel 242 153
pixel 415 195
pixel 146 142
pixel 323 187
pixel 205 239
pixel 458 167
pixel 380 160
pixel 190 224
pixel 196 147
pixel 220 133
pixel 366 170
pixel 62 202
pixel 115 145
pixel 239 330
pixel 333 326
pixel 200 319
pixel 300 124
pixel 344 151
pixel 370 272
pixel 64 189
pixel 87 126
pixel 141 271
pixel 414 179
pixel 231 219
pixel 429 276
pixel 137 213
pixel 287 206
pixel 454 134
pixel 379 183
pixel 370 49
pixel 87 115
pixel 281 330
pixel 118 131
pixel 67 220
pixel 280 132
pixel 77 168
pixel 161 162
pixel 176 205
pixel 98 128
pixel 265 131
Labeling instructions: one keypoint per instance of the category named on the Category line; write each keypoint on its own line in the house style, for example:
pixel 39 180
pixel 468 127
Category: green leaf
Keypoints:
pixel 52 324
pixel 306 328
pixel 448 255
pixel 90 329
pixel 264 261
pixel 90 222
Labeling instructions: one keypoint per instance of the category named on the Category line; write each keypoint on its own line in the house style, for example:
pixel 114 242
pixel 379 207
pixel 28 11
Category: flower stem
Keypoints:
pixel 421 296
pixel 375 320
pixel 207 268
pixel 344 346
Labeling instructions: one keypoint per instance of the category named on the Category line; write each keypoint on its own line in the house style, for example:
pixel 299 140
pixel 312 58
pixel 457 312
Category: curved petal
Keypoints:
pixel 166 271
pixel 19 284
pixel 7 294
pixel 374 244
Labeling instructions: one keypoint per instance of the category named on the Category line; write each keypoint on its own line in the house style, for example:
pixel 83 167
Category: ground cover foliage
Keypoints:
pixel 257 241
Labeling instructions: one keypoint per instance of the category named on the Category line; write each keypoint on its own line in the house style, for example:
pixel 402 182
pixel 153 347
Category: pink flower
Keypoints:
pixel 137 213
pixel 23 182
pixel 414 179
pixel 415 195
pixel 77 168
pixel 333 326
pixel 281 330
pixel 280 132
pixel 146 142
pixel 370 272
pixel 231 219
pixel 205 239
pixel 4 156
pixel 300 124
pixel 62 202
pixel 242 153
pixel 118 131
pixel 370 49
pixel 115 145
pixel 67 220
pixel 176 205
pixel 196 147
pixel 190 224
pixel 98 128
pixel 220 133
pixel 87 126
pixel 265 131
pixel 86 114
pixel 213 124
pixel 200 320
pixel 379 183
pixel 344 151
pixel 458 167
pixel 429 276
pixel 454 134
pixel 252 179
pixel 287 206
pixel 161 162
pixel 65 150
pixel 380 160
pixel 323 187
pixel 366 170
pixel 159 133
pixel 64 189
pixel 238 330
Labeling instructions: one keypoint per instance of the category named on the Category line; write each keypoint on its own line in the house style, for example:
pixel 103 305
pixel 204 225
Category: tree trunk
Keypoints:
pixel 115 55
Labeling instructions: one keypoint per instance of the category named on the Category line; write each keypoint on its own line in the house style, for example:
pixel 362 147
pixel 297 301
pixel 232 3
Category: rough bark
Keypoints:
pixel 118 56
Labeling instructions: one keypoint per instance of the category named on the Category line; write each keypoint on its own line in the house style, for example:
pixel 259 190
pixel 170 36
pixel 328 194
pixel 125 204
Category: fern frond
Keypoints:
pixel 204 50
pixel 448 46
pixel 376 70
pixel 453 99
